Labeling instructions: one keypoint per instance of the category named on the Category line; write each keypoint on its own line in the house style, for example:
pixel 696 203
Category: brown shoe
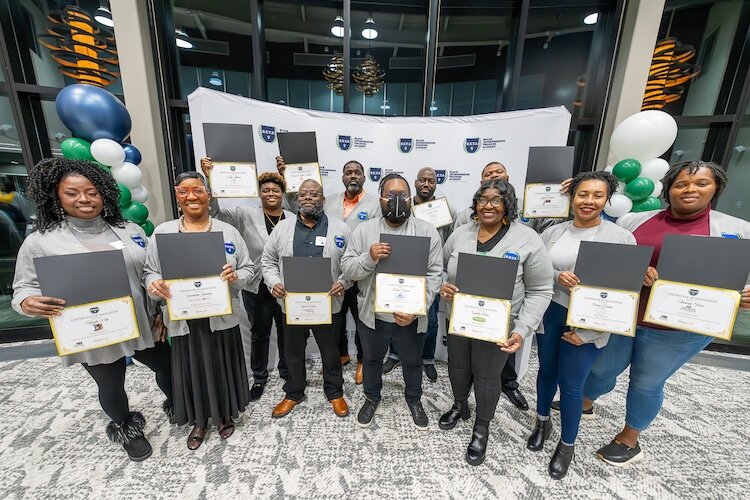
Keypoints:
pixel 345 360
pixel 359 377
pixel 340 408
pixel 282 409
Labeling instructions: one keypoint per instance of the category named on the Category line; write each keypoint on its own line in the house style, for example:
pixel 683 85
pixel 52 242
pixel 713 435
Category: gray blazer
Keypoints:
pixel 281 242
pixel 538 224
pixel 721 224
pixel 367 208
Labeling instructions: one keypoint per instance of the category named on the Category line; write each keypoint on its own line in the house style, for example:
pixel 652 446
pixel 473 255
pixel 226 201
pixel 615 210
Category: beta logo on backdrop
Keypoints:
pixel 375 173
pixel 440 176
pixel 405 144
pixel 472 144
pixel 344 142
pixel 267 133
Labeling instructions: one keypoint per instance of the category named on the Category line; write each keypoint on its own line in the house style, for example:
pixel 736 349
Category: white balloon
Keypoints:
pixel 139 194
pixel 643 136
pixel 654 169
pixel 658 188
pixel 618 205
pixel 108 152
pixel 620 187
pixel 609 168
pixel 128 174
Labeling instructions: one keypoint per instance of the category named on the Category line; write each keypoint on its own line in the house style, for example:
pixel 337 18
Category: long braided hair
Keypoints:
pixel 44 179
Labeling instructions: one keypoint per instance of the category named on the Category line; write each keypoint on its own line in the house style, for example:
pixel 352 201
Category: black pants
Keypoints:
pixel 350 304
pixel 409 345
pixel 110 378
pixel 509 375
pixel 327 339
pixel 262 310
pixel 478 362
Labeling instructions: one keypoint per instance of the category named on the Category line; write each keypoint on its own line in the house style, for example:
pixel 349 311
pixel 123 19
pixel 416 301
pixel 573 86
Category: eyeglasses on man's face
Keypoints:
pixel 390 195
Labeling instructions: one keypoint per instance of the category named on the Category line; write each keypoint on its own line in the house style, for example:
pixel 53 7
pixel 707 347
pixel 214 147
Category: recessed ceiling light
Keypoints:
pixel 370 32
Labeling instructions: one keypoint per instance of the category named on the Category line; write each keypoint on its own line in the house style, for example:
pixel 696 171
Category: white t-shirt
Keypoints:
pixel 564 254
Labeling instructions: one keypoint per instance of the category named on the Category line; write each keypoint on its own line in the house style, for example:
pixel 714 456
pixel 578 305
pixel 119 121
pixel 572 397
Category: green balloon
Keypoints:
pixel 627 170
pixel 76 149
pixel 135 212
pixel 639 188
pixel 124 195
pixel 650 203
pixel 148 226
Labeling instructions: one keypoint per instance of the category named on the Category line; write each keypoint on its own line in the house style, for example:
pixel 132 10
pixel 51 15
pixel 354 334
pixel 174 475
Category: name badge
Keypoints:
pixel 320 241
pixel 117 245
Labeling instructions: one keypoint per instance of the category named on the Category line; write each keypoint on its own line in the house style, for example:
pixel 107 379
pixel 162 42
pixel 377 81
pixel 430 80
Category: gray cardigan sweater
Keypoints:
pixel 537 224
pixel 367 208
pixel 533 289
pixel 720 224
pixel 240 261
pixel 281 242
pixel 358 266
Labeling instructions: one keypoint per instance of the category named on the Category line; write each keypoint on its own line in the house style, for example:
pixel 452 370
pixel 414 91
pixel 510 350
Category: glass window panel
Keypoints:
pixel 56 131
pixel 485 96
pixel 320 96
pixel 396 99
pixel 689 145
pixel 278 92
pixel 441 104
pixel 463 99
pixel 299 93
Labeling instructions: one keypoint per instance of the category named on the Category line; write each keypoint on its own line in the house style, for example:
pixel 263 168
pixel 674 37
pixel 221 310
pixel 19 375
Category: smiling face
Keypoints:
pixel 588 201
pixel 692 193
pixel 353 178
pixel 490 207
pixel 310 198
pixel 271 196
pixel 79 197
pixel 192 197
pixel 494 171
pixel 426 183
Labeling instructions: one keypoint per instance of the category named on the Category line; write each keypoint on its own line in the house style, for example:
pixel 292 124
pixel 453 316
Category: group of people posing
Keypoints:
pixel 203 374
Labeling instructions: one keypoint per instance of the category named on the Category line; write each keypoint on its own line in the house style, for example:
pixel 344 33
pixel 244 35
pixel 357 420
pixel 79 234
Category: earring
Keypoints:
pixel 62 213
pixel 505 221
pixel 106 212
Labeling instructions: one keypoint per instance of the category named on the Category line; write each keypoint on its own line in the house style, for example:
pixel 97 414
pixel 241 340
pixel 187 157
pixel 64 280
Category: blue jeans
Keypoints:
pixel 428 351
pixel 653 356
pixel 563 363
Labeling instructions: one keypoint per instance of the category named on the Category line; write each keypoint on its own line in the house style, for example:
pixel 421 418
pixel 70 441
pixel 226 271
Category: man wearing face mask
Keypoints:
pixel 377 329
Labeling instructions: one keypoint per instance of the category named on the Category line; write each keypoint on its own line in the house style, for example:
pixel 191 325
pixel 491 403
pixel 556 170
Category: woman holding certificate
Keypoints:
pixel 566 354
pixel 78 212
pixel 208 362
pixel 655 353
pixel 495 232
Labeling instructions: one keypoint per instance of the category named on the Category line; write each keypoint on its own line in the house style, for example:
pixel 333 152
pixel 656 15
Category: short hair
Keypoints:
pixel 354 162
pixel 505 188
pixel 596 175
pixel 390 177
pixel 720 177
pixel 272 178
pixel 493 163
pixel 191 174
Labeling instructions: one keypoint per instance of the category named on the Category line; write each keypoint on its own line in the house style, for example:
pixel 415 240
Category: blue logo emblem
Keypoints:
pixel 138 240
pixel 405 144
pixel 440 176
pixel 267 133
pixel 344 142
pixel 472 144
pixel 339 240
pixel 511 256
pixel 375 174
pixel 362 215
pixel 229 247
pixel 481 303
pixel 732 236
pixel 525 219
pixel 603 295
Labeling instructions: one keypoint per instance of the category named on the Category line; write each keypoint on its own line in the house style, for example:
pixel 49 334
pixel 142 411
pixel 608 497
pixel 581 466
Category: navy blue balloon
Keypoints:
pixel 92 113
pixel 132 154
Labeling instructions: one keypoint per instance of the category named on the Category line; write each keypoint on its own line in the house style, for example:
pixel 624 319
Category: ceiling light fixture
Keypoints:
pixel 591 18
pixel 215 79
pixel 338 27
pixel 182 39
pixel 103 16
pixel 370 32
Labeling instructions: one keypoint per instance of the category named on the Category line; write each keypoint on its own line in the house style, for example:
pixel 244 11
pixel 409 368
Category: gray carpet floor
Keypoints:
pixel 52 445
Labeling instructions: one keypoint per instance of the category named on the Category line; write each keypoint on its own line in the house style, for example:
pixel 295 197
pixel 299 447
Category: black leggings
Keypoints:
pixel 111 379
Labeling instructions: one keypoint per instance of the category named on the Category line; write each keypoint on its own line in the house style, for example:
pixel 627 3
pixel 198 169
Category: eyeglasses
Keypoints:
pixel 184 192
pixel 496 202
pixel 390 195
pixel 314 195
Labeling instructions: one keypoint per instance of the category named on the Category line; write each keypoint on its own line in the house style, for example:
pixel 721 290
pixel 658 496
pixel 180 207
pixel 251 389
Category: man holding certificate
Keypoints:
pixel 405 327
pixel 313 303
pixel 657 352
pixel 479 359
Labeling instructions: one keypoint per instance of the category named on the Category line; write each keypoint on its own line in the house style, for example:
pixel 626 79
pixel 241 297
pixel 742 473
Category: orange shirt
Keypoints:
pixel 350 204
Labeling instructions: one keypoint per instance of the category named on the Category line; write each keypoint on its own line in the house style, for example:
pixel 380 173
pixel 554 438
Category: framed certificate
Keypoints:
pixel 603 310
pixel 400 293
pixel 482 318
pixel 296 174
pixel 98 324
pixel 308 308
pixel 234 180
pixel 195 298
pixel 436 212
pixel 545 200
pixel 694 308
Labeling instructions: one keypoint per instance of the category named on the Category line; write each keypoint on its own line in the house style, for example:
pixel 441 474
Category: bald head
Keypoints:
pixel 494 170
pixel 311 185
pixel 425 184
pixel 310 199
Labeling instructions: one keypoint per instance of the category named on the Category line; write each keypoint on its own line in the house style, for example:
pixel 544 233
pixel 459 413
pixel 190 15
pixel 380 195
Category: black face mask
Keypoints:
pixel 397 210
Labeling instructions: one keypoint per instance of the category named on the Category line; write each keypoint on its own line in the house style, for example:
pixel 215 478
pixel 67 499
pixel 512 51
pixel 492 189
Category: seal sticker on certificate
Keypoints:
pixel 300 152
pixel 436 212
pixel 548 166
pixel 401 278
pixel 234 180
pixel 307 281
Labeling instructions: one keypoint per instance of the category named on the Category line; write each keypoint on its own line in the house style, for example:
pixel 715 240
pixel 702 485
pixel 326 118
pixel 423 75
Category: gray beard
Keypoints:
pixel 312 213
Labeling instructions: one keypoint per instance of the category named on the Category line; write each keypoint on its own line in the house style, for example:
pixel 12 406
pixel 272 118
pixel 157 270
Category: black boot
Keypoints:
pixel 478 445
pixel 459 410
pixel 130 435
pixel 539 435
pixel 168 409
pixel 558 466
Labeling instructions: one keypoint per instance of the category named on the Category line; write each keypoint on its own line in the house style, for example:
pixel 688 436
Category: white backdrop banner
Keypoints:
pixel 456 147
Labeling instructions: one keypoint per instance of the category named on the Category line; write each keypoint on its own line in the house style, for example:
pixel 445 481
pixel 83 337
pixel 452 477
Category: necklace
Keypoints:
pixel 94 227
pixel 269 217
pixel 183 229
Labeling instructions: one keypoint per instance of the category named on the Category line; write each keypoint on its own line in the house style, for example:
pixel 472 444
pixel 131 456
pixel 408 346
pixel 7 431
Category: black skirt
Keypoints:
pixel 209 375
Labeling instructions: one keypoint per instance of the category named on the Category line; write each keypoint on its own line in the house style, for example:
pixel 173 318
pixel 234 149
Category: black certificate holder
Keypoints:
pixel 612 265
pixel 307 274
pixel 486 276
pixel 549 164
pixel 191 255
pixel 702 260
pixel 83 278
pixel 409 255
pixel 298 147
pixel 229 142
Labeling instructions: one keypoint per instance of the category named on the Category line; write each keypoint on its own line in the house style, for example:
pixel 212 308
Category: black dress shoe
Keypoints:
pixel 431 372
pixel 256 391
pixel 390 364
pixel 478 446
pixel 515 397
pixel 539 435
pixel 459 410
pixel 558 466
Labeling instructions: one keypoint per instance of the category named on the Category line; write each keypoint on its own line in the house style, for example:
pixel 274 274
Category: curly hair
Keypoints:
pixel 510 202
pixel 45 177
pixel 274 178
pixel 597 175
pixel 720 177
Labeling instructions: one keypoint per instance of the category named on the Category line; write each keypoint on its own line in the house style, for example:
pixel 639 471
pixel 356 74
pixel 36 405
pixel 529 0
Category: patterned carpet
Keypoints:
pixel 53 445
